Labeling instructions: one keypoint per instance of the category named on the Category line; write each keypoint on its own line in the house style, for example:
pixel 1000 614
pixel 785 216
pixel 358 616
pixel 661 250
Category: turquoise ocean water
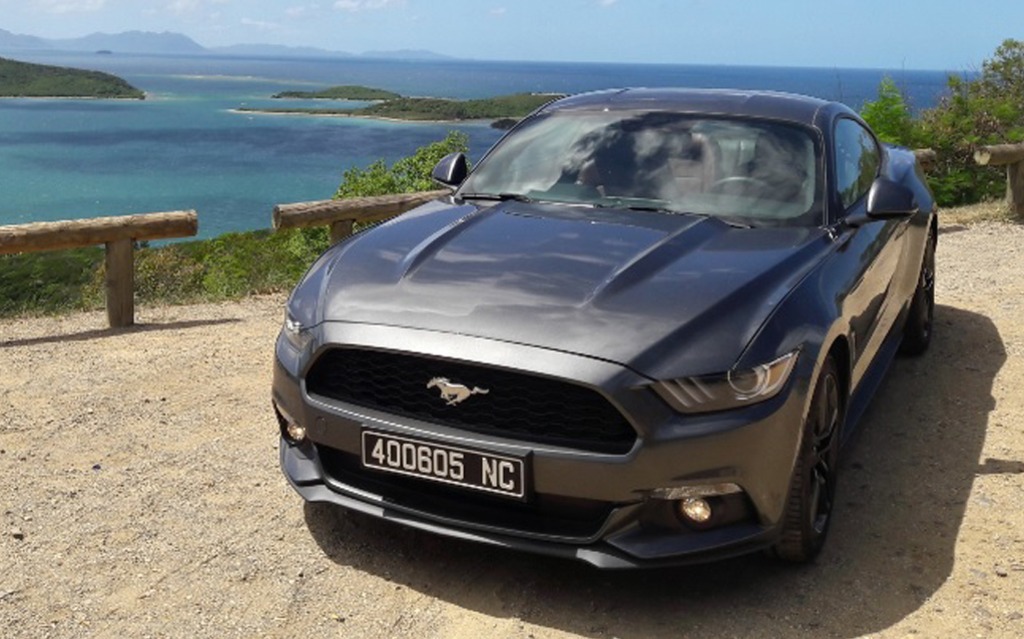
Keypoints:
pixel 183 147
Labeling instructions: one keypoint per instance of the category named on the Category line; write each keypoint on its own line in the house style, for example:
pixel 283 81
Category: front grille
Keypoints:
pixel 568 517
pixel 516 405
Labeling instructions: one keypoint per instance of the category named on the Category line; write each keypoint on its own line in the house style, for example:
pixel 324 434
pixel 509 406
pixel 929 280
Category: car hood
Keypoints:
pixel 661 293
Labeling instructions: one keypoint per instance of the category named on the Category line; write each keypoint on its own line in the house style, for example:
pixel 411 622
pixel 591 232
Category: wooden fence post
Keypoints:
pixel 120 280
pixel 1011 155
pixel 341 229
pixel 1015 188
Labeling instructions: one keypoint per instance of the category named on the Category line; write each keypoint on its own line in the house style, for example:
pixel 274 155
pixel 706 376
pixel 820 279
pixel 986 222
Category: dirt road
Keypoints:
pixel 140 497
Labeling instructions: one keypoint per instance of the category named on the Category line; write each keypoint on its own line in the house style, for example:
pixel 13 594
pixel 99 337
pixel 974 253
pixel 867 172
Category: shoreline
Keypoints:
pixel 144 97
pixel 332 114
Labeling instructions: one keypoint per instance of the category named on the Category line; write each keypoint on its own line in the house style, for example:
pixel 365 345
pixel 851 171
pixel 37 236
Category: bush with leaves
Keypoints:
pixel 988 109
pixel 408 175
pixel 889 116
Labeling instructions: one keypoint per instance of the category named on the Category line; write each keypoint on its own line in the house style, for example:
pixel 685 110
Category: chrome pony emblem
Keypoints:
pixel 454 394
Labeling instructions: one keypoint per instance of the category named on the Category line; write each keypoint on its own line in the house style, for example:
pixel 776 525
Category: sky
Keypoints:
pixel 950 35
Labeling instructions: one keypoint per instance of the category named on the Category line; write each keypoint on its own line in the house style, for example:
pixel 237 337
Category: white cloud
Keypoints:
pixel 499 11
pixel 190 6
pixel 606 3
pixel 183 6
pixel 262 25
pixel 72 6
pixel 299 11
pixel 366 5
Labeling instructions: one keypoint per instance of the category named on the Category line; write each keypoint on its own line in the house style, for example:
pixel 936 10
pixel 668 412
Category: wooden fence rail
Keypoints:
pixel 342 215
pixel 1012 157
pixel 118 234
pixel 926 158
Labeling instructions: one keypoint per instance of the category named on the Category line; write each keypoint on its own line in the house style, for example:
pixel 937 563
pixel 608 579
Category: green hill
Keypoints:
pixel 26 80
pixel 506 106
pixel 348 92
pixel 507 109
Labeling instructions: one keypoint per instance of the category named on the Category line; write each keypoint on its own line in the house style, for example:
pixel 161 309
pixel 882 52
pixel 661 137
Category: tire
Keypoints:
pixel 917 332
pixel 812 488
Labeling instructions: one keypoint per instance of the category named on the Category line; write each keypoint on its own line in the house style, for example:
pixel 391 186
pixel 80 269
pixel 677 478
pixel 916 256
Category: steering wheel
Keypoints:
pixel 737 184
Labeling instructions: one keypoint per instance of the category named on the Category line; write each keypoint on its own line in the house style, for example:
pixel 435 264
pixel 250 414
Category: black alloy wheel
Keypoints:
pixel 917 333
pixel 813 486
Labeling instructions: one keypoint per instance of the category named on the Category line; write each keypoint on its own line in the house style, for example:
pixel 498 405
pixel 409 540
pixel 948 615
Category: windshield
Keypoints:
pixel 758 172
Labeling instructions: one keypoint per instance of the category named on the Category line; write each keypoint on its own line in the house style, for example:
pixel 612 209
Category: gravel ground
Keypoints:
pixel 140 497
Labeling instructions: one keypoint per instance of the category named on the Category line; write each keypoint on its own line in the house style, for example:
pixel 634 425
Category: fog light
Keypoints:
pixel 295 432
pixel 696 509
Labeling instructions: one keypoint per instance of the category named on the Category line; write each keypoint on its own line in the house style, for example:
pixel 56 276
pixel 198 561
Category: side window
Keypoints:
pixel 857 161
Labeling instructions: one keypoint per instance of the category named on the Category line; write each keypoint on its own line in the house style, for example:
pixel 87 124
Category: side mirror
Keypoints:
pixel 887 200
pixel 451 170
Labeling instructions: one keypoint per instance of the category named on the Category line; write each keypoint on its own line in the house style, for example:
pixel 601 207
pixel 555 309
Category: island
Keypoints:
pixel 505 110
pixel 27 80
pixel 346 92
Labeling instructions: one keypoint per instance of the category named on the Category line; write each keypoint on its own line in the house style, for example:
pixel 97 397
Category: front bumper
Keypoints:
pixel 585 505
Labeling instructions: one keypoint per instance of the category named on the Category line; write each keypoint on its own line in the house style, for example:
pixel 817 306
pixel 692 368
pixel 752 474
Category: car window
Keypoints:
pixel 763 172
pixel 857 161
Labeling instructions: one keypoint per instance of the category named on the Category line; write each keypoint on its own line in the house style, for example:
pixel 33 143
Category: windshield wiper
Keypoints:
pixel 738 223
pixel 497 197
pixel 645 208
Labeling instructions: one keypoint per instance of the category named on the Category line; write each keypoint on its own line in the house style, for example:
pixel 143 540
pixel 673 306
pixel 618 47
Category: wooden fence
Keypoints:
pixel 342 215
pixel 1012 157
pixel 118 234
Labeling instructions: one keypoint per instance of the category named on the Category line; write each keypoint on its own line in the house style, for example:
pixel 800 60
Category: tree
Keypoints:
pixel 987 109
pixel 408 175
pixel 889 116
pixel 1003 74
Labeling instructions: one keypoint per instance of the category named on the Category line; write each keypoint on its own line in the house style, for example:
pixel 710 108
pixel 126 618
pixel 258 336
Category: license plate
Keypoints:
pixel 454 465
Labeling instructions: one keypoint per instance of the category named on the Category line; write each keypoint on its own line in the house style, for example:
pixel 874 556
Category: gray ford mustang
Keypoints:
pixel 637 333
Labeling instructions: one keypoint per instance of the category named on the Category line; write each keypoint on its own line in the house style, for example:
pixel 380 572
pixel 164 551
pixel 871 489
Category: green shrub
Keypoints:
pixel 408 175
pixel 889 116
pixel 979 111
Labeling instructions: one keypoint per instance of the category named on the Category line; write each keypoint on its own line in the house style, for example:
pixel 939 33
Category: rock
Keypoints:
pixel 17 533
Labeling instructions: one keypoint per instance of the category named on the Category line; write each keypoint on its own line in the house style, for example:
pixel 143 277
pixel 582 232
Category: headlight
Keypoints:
pixel 728 390
pixel 297 335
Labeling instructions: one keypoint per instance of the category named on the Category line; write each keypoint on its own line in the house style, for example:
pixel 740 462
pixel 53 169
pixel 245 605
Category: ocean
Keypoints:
pixel 184 148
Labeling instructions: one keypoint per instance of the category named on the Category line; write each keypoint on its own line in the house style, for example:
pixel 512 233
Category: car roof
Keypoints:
pixel 735 102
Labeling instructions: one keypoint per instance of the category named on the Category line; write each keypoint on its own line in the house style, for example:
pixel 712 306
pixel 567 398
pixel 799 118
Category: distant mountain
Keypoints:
pixel 127 42
pixel 132 42
pixel 407 54
pixel 178 44
pixel 10 40
pixel 277 50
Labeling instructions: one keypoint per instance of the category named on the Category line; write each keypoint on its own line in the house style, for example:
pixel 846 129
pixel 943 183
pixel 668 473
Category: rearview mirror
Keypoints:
pixel 451 170
pixel 887 200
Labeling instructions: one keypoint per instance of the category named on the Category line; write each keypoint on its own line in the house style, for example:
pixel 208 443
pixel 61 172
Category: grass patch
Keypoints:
pixel 231 266
pixel 50 282
pixel 993 211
